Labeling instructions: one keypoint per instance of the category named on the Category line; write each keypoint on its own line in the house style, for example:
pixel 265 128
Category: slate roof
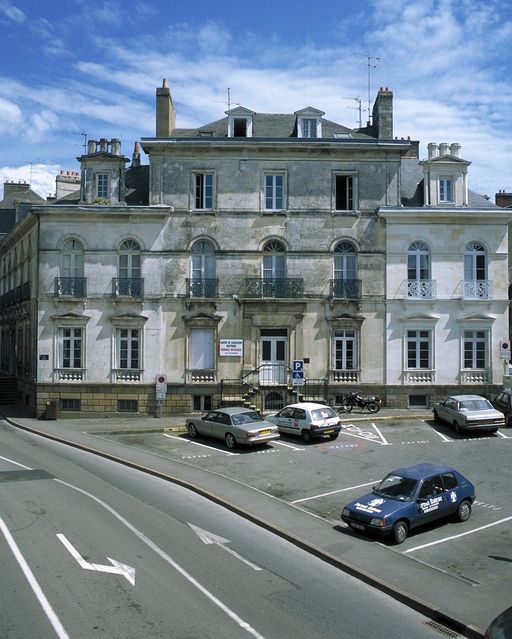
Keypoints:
pixel 268 125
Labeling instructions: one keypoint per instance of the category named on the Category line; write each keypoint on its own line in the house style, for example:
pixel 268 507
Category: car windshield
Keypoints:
pixel 397 487
pixel 323 413
pixel 246 418
pixel 475 404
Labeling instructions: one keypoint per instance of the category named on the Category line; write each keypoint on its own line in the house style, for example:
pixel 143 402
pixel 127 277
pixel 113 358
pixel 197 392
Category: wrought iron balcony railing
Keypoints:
pixel 281 287
pixel 70 287
pixel 477 289
pixel 345 289
pixel 421 289
pixel 204 287
pixel 128 287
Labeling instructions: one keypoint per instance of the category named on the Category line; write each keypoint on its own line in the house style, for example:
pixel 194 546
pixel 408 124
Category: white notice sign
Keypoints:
pixel 231 347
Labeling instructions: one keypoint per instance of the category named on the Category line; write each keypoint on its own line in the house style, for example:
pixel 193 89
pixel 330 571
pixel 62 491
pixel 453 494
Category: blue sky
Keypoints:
pixel 72 69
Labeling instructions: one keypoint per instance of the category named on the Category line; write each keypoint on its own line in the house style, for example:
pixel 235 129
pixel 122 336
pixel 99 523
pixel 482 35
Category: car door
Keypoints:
pixel 284 420
pixel 300 421
pixel 206 424
pixel 432 501
pixel 221 425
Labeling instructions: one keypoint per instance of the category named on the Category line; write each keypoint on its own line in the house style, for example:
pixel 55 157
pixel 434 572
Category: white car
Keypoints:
pixel 307 420
pixel 469 412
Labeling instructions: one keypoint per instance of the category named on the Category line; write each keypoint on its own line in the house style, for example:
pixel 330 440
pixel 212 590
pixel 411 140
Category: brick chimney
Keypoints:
pixel 165 111
pixel 15 187
pixel 383 114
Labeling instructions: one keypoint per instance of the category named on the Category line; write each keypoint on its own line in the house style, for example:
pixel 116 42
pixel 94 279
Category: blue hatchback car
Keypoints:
pixel 409 497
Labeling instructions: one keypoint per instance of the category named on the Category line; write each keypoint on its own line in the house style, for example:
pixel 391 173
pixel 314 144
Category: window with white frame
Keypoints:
pixel 344 192
pixel 309 127
pixel 274 261
pixel 274 191
pixel 72 269
pixel 475 349
pixel 102 185
pixel 476 284
pixel 128 342
pixel 129 269
pixel 344 350
pixel 202 269
pixel 419 349
pixel 202 349
pixel 419 284
pixel 203 191
pixel 445 189
pixel 70 348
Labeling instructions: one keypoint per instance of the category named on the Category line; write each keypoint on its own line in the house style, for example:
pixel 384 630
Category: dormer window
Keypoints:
pixel 102 189
pixel 445 189
pixel 309 123
pixel 240 123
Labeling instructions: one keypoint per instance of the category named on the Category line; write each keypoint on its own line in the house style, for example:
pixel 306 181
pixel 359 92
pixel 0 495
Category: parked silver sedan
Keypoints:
pixel 469 412
pixel 235 425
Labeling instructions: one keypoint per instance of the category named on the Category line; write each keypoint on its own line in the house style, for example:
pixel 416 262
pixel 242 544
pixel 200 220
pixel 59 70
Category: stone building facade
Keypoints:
pixel 246 245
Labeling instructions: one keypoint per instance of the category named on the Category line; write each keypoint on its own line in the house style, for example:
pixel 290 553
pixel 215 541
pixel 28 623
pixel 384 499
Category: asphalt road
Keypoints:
pixel 91 548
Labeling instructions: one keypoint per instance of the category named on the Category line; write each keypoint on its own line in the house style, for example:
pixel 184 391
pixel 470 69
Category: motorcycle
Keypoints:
pixel 371 402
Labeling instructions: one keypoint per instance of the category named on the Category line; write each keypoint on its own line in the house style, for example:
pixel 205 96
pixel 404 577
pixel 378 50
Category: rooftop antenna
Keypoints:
pixel 84 135
pixel 359 108
pixel 370 67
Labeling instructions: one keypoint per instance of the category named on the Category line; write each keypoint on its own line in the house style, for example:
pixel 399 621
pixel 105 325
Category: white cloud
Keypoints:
pixel 12 12
pixel 41 177
pixel 10 115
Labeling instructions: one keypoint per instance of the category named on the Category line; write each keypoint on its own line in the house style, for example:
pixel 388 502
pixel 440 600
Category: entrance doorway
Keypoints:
pixel 273 356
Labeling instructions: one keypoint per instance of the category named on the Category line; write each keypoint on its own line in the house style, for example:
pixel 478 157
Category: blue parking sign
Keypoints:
pixel 298 365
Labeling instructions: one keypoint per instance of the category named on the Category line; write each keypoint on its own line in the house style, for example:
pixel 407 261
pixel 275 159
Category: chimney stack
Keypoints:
pixel 383 114
pixel 165 111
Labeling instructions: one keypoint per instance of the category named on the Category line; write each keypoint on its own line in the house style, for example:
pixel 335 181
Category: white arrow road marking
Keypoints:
pixel 210 538
pixel 116 568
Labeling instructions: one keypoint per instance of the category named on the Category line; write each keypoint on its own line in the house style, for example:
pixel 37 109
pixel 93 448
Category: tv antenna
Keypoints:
pixel 84 135
pixel 359 108
pixel 371 66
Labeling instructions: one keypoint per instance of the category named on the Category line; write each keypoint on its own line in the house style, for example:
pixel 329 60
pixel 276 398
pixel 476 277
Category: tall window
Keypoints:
pixel 445 189
pixel 344 352
pixel 344 192
pixel 274 184
pixel 475 272
pixel 202 269
pixel 72 269
pixel 130 281
pixel 71 348
pixel 128 348
pixel 202 349
pixel 418 349
pixel 309 127
pixel 345 284
pixel 475 349
pixel 203 191
pixel 419 284
pixel 102 189
pixel 273 270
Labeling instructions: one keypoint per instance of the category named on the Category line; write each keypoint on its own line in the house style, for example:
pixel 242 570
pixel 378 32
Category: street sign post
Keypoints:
pixel 160 391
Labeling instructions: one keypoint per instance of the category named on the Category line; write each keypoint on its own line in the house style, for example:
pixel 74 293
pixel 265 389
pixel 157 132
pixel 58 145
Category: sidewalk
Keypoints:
pixel 439 596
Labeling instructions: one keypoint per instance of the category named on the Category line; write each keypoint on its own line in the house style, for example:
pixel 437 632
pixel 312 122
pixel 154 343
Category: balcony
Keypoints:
pixel 475 376
pixel 205 287
pixel 70 374
pixel 201 375
pixel 477 289
pixel 284 287
pixel 419 376
pixel 345 289
pixel 421 289
pixel 126 374
pixel 70 287
pixel 132 287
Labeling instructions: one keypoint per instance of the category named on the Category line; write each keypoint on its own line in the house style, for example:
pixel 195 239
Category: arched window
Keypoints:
pixel 129 281
pixel 476 284
pixel 419 283
pixel 203 282
pixel 72 269
pixel 273 270
pixel 345 284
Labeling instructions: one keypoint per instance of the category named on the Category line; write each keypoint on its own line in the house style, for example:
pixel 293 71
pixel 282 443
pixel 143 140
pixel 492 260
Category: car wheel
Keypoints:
pixel 436 417
pixel 230 441
pixel 192 431
pixel 464 510
pixel 456 427
pixel 333 436
pixel 399 532
pixel 373 407
pixel 306 436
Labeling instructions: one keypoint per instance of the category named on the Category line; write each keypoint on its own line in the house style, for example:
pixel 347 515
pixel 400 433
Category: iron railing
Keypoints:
pixel 273 287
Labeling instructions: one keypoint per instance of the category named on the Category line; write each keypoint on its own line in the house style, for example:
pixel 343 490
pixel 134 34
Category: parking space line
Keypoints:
pixel 503 435
pixel 468 532
pixel 443 437
pixel 279 443
pixel 333 492
pixel 226 452
pixel 384 441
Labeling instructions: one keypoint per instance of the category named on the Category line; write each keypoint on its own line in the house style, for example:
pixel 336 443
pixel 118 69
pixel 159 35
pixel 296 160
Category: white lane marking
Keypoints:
pixel 333 492
pixel 365 434
pixel 468 532
pixel 211 538
pixel 279 443
pixel 29 575
pixel 383 439
pixel 151 544
pixel 443 437
pixel 190 441
pixel 503 435
pixel 117 568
